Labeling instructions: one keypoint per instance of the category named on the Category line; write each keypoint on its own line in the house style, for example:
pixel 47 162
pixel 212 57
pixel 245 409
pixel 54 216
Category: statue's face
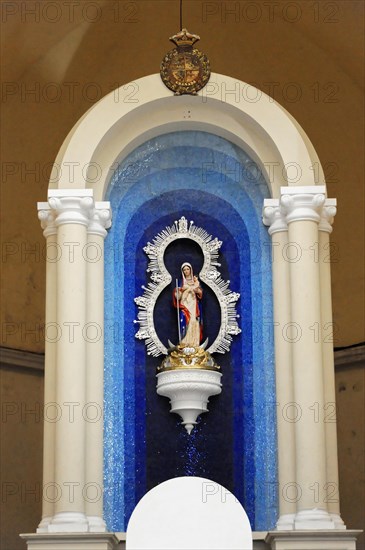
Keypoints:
pixel 186 270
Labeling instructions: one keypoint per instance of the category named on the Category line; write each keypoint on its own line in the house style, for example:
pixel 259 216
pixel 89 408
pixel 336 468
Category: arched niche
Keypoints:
pixel 213 182
pixel 103 142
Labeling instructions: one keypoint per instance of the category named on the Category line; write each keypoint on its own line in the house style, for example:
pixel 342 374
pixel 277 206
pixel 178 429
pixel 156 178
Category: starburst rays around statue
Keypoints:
pixel 188 375
pixel 160 278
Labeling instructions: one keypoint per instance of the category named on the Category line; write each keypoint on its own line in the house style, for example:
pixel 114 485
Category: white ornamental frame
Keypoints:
pixel 160 278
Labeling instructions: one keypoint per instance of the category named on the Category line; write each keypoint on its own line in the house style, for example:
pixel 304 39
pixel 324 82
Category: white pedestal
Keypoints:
pixel 274 540
pixel 71 541
pixel 312 540
pixel 189 390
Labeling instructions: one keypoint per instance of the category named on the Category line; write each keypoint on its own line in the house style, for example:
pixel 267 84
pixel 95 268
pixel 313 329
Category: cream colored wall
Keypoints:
pixel 316 58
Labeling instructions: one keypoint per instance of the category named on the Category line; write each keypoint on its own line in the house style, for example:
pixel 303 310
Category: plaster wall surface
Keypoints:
pixel 21 453
pixel 350 398
pixel 307 56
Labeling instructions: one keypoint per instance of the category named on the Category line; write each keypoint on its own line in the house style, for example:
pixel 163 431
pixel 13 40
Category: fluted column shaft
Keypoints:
pixel 286 413
pixel 302 208
pixel 47 218
pixel 328 335
pixel 95 366
pixel 75 229
pixel 307 448
pixel 72 219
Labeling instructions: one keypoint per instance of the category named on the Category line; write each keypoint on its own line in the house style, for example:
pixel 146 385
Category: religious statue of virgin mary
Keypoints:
pixel 187 294
pixel 187 299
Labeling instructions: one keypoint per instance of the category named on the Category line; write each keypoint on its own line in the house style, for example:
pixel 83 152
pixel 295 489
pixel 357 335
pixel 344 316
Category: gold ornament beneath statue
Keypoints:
pixel 184 356
pixel 185 70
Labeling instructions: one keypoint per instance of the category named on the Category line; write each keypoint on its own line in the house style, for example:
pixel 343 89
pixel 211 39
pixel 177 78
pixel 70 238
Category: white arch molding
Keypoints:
pixel 298 212
pixel 227 107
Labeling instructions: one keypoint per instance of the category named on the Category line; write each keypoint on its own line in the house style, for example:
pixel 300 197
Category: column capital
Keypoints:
pixel 329 211
pixel 71 205
pixel 273 217
pixel 101 219
pixel 302 203
pixel 47 218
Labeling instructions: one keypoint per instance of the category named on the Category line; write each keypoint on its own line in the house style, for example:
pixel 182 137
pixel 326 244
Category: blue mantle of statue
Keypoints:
pixel 211 181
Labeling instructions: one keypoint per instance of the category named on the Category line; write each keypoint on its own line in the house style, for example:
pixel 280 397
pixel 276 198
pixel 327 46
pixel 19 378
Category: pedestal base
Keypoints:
pixel 312 540
pixel 71 541
pixel 274 540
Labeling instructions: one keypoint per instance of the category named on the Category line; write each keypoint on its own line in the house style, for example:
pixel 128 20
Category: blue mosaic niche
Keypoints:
pixel 209 180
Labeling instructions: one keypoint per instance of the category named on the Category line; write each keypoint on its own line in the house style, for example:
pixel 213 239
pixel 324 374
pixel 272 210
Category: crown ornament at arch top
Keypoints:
pixel 160 278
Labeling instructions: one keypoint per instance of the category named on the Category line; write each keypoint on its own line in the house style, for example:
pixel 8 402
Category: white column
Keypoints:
pixel 94 335
pixel 286 413
pixel 47 218
pixel 73 209
pixel 302 206
pixel 328 330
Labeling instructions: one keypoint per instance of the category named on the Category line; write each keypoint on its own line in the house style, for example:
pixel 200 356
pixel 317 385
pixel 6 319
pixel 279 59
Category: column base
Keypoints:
pixel 312 540
pixel 285 522
pixel 68 522
pixel 313 519
pixel 43 526
pixel 337 520
pixel 96 524
pixel 68 541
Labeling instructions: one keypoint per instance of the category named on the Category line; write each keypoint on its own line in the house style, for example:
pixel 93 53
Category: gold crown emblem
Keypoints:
pixel 185 70
pixel 184 39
